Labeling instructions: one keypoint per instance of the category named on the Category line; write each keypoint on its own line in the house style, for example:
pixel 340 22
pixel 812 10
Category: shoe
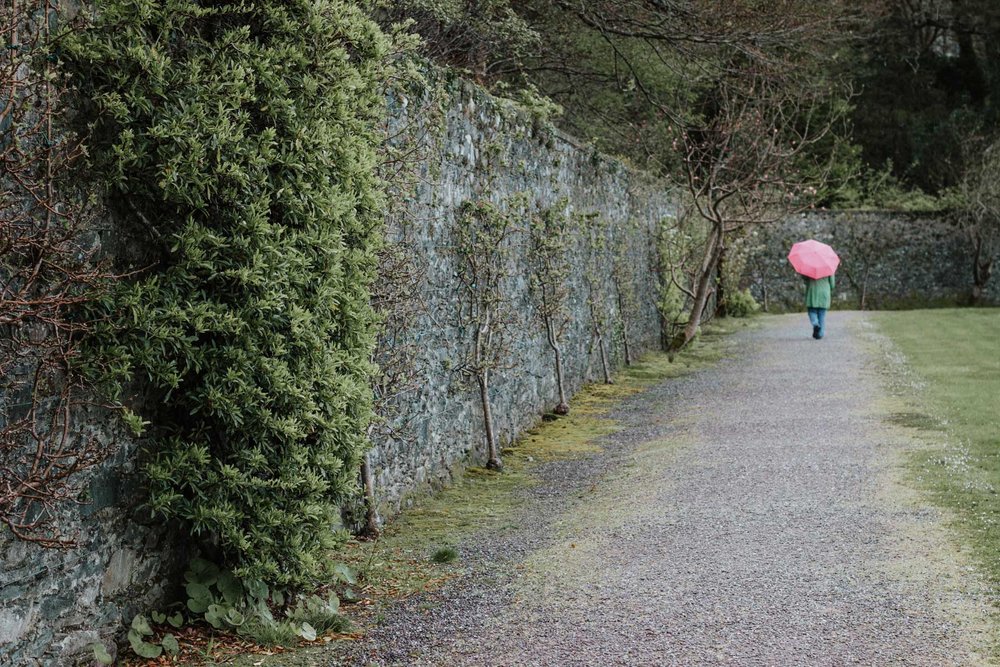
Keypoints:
pixel 816 331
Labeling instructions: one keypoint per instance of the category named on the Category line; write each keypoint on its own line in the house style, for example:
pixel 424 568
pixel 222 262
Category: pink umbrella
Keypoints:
pixel 814 259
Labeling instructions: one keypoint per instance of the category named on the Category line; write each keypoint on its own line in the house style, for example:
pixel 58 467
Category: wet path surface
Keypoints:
pixel 749 514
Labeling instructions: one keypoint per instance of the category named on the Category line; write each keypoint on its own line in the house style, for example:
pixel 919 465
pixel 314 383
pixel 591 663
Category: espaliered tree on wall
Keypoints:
pixel 624 290
pixel 550 234
pixel 598 300
pixel 483 237
pixel 239 138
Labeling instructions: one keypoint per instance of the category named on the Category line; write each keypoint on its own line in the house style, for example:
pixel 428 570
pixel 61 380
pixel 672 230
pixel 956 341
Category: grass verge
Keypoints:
pixel 953 397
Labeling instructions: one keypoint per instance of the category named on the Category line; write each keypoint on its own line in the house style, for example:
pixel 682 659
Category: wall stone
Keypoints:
pixel 54 604
pixel 490 149
pixel 888 260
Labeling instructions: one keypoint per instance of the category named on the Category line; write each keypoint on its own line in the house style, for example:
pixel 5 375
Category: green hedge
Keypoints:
pixel 241 136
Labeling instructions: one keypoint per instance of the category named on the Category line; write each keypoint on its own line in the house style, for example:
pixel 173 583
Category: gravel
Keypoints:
pixel 749 514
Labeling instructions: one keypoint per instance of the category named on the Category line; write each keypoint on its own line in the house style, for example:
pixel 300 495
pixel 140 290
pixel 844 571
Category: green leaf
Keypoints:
pixel 101 654
pixel 141 625
pixel 235 617
pixel 170 645
pixel 177 620
pixel 202 572
pixel 199 592
pixel 197 606
pixel 230 587
pixel 307 632
pixel 278 598
pixel 215 615
pixel 158 617
pixel 345 574
pixel 256 589
pixel 143 648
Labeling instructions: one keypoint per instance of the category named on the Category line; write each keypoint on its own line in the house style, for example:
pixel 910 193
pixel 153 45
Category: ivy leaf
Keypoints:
pixel 345 574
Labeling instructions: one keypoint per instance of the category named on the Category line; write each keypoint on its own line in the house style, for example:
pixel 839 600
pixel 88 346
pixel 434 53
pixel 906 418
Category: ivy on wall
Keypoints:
pixel 240 138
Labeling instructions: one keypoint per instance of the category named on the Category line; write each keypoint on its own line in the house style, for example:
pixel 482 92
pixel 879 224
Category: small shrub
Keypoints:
pixel 445 555
pixel 741 304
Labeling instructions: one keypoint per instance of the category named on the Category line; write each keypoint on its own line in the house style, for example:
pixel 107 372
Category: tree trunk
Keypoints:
pixel 721 309
pixel 981 271
pixel 624 319
pixel 604 359
pixel 493 461
pixel 703 290
pixel 864 288
pixel 373 522
pixel 563 407
pixel 602 349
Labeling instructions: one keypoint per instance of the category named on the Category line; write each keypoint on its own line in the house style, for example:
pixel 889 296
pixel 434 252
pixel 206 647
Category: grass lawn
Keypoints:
pixel 954 356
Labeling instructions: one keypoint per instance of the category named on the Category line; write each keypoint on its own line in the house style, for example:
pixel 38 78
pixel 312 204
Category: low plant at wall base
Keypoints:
pixel 240 139
pixel 221 603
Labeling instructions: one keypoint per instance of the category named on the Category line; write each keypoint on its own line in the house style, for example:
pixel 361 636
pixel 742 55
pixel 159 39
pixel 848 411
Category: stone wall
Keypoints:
pixel 53 604
pixel 490 149
pixel 888 260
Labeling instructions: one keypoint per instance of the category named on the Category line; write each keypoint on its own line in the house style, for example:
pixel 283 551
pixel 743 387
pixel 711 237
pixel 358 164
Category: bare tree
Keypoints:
pixel 550 233
pixel 598 299
pixel 742 162
pixel 978 215
pixel 486 314
pixel 47 277
pixel 621 274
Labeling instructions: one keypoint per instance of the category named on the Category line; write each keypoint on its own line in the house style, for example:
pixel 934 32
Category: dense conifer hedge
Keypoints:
pixel 241 137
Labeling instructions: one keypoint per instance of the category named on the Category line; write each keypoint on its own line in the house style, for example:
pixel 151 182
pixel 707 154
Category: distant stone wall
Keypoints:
pixel 54 604
pixel 888 260
pixel 489 149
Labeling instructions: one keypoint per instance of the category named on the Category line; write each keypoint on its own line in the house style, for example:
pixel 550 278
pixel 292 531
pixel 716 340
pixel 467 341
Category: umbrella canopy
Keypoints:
pixel 814 259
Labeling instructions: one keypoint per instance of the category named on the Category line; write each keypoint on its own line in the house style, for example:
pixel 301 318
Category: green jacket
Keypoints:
pixel 818 292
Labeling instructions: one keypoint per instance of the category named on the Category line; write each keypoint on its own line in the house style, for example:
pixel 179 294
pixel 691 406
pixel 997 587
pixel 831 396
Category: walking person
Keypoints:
pixel 818 295
pixel 816 262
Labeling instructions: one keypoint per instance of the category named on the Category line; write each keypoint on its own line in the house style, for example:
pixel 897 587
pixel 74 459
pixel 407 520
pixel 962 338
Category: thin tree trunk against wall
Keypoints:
pixel 563 407
pixel 624 319
pixel 372 520
pixel 704 289
pixel 864 287
pixel 982 269
pixel 601 347
pixel 720 282
pixel 493 462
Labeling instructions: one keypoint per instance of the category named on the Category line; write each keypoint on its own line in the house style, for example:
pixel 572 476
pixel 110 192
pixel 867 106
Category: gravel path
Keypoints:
pixel 747 515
